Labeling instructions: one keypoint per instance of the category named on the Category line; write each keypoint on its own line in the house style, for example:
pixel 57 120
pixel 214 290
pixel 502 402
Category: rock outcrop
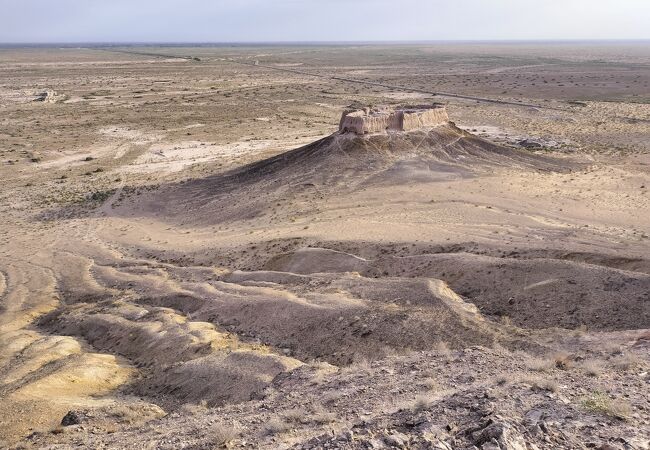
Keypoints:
pixel 383 119
pixel 48 96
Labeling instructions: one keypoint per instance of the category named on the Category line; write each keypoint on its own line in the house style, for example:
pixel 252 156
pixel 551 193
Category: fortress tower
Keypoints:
pixel 382 119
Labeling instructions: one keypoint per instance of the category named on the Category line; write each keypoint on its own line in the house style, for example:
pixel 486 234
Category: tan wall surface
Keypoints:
pixel 362 122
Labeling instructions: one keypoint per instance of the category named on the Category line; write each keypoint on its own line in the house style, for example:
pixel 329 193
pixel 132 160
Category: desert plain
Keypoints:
pixel 192 255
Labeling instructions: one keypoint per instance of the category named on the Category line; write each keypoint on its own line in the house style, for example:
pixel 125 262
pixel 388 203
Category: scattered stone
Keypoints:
pixel 74 418
pixel 442 445
pixel 609 447
pixel 396 440
pixel 47 96
pixel 375 443
pixel 534 416
pixel 500 436
pixel 528 143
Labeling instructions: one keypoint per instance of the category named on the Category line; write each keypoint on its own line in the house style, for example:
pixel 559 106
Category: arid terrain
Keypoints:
pixel 193 256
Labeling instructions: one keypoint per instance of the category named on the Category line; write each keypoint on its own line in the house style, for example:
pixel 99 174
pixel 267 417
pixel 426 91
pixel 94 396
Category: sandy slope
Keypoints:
pixel 121 308
pixel 423 290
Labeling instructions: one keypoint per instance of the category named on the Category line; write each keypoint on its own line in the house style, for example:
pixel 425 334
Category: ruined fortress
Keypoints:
pixel 382 119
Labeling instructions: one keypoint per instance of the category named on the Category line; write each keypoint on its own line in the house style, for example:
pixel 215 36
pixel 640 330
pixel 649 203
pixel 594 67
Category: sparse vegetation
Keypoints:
pixel 194 408
pixel 360 364
pixel 321 416
pixel 580 331
pixel 592 367
pixel 539 364
pixel 625 362
pixel 276 425
pixel 296 415
pixel 544 384
pixel 197 283
pixel 601 403
pixel 430 384
pixel 316 414
pixel 421 403
pixel 562 361
pixel 223 435
pixel 101 196
pixel 505 320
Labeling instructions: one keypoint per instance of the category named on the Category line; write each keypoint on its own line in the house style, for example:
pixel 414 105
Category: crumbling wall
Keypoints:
pixel 365 121
pixel 412 120
pixel 378 120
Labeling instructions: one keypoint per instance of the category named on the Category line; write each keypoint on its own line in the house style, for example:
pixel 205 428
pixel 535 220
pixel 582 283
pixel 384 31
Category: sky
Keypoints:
pixel 69 21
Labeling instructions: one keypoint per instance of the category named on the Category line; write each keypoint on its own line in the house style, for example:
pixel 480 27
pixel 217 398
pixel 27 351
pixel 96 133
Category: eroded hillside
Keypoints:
pixel 173 283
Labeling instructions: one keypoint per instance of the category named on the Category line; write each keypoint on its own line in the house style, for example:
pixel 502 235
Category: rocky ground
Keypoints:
pixel 191 256
pixel 441 399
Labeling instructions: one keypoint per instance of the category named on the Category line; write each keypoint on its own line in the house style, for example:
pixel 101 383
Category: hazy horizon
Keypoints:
pixel 333 43
pixel 320 21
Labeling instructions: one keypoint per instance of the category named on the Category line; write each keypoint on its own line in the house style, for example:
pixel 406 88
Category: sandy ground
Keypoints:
pixel 192 257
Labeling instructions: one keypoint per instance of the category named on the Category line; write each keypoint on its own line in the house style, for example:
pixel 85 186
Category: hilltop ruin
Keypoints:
pixel 384 118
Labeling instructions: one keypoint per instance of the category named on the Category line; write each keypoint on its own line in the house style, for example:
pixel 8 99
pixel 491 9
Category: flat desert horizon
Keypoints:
pixel 431 245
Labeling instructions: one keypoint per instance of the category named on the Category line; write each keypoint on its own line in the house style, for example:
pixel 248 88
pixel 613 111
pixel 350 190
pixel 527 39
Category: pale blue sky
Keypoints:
pixel 319 20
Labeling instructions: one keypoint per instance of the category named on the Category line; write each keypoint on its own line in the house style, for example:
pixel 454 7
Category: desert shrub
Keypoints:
pixel 612 349
pixel 358 366
pixel 580 331
pixel 543 384
pixel 321 416
pixel 275 426
pixel 421 403
pixel 101 196
pixel 331 397
pixel 222 435
pixel 296 415
pixel 314 414
pixel 599 402
pixel 592 367
pixel 430 384
pixel 123 413
pixel 193 408
pixel 562 361
pixel 625 362
pixel 539 364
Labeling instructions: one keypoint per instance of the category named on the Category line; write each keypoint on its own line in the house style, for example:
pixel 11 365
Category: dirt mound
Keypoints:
pixel 314 260
pixel 338 164
pixel 356 317
pixel 540 292
pixel 222 337
pixel 443 149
